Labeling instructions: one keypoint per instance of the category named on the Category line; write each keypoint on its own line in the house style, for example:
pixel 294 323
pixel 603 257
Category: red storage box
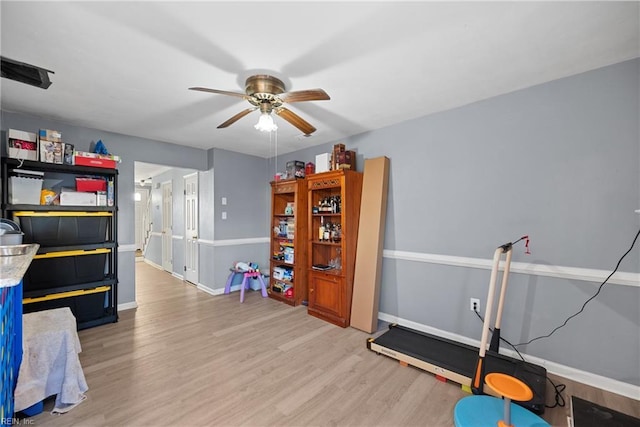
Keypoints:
pixel 91 184
pixel 97 160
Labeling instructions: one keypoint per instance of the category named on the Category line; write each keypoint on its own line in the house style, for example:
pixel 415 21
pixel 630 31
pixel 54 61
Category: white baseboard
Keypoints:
pixel 219 291
pixel 127 306
pixel 178 276
pixel 594 380
pixel 153 264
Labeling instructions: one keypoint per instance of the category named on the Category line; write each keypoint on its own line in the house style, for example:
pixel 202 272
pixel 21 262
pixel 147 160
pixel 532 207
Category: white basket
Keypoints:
pixel 25 188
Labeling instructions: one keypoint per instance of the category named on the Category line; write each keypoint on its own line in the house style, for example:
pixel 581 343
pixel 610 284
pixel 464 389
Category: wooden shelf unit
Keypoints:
pixel 330 290
pixel 284 193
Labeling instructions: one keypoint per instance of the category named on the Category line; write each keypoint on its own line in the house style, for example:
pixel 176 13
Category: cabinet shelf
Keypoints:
pixel 277 263
pixel 280 297
pixel 48 249
pixel 57 208
pixel 320 242
pixel 54 167
pixel 330 291
pixel 67 289
pixel 288 242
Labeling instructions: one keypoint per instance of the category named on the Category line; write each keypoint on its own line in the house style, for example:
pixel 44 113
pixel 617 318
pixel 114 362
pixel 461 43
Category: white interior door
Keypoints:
pixel 191 228
pixel 142 195
pixel 167 224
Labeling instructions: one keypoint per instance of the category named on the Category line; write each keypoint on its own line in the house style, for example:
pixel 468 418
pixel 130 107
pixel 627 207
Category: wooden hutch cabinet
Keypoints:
pixel 333 216
pixel 288 280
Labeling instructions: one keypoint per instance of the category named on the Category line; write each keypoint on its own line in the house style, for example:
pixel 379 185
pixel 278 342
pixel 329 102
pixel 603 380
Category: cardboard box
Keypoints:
pixel 337 148
pixel 323 162
pixel 295 169
pixel 51 151
pixel 22 145
pixel 346 160
pixel 82 158
pixel 77 198
pixel 368 266
pixel 67 159
pixel 101 198
pixel 50 135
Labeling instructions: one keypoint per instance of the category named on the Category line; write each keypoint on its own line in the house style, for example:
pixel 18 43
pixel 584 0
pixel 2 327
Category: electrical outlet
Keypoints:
pixel 474 304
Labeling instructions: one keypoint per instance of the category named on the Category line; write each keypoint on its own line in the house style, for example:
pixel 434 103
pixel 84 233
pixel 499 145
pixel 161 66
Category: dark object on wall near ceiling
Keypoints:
pixel 25 73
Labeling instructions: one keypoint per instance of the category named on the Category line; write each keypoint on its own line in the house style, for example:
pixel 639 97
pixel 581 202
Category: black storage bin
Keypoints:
pixel 58 269
pixel 85 308
pixel 63 228
pixel 91 306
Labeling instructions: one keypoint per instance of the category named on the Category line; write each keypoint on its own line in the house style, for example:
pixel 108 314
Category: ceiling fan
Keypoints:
pixel 267 93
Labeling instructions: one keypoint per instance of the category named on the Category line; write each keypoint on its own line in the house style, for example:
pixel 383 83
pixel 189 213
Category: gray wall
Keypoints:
pixel 243 236
pixel 559 162
pixel 130 149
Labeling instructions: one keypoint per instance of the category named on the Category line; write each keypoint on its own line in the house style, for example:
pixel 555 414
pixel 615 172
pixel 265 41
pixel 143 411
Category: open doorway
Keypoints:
pixel 144 180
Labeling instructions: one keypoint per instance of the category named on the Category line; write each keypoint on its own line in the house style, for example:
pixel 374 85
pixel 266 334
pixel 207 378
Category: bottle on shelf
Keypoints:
pixel 327 232
pixel 321 229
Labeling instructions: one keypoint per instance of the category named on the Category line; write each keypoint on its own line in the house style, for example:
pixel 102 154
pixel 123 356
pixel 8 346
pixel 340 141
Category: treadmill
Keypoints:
pixel 461 363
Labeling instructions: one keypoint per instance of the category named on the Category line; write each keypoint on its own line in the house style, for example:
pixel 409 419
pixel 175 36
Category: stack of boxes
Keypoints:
pixel 340 158
pixel 53 149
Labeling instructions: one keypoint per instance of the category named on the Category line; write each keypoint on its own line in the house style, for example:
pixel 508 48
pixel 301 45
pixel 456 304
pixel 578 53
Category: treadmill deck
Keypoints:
pixel 456 361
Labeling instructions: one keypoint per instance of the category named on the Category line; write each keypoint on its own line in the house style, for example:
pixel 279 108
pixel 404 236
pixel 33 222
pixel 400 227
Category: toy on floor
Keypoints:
pixel 249 270
pixel 240 266
pixel 485 410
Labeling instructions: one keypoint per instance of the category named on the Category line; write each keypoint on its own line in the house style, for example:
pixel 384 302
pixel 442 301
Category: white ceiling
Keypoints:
pixel 126 66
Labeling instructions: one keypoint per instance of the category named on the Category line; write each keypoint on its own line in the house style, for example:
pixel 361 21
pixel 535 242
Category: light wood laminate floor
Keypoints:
pixel 186 358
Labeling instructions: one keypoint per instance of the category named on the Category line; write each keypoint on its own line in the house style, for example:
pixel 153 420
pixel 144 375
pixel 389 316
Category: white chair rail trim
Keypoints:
pixel 557 271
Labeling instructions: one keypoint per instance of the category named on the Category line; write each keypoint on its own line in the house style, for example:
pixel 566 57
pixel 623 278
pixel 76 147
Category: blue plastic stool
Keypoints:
pixel 476 411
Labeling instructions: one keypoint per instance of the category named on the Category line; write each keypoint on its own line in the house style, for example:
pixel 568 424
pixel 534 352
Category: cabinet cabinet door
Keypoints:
pixel 326 297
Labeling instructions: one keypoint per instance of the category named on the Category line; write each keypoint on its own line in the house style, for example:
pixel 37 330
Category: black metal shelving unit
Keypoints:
pixel 94 301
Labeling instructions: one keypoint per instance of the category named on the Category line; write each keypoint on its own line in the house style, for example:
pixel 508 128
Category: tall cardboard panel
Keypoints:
pixel 368 269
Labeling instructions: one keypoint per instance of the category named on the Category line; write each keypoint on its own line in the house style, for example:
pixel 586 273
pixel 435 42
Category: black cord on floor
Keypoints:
pixel 558 395
pixel 587 301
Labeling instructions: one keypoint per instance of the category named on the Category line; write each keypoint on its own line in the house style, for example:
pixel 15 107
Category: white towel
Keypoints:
pixel 50 364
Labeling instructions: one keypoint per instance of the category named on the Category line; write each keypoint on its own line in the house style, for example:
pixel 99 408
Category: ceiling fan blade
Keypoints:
pixel 221 92
pixel 305 95
pixel 235 118
pixel 295 120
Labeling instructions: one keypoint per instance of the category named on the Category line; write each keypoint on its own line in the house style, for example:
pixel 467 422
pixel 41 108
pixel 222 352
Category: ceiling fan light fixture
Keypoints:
pixel 266 123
